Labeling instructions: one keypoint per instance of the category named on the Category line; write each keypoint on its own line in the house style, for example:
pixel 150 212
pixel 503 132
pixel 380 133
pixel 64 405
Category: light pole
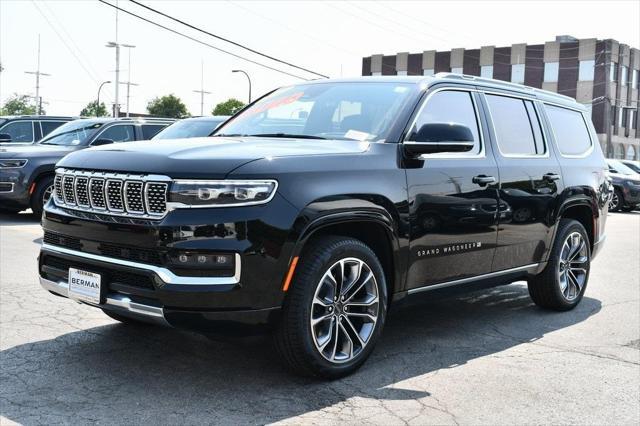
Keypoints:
pixel 247 75
pixel 38 73
pixel 116 105
pixel 202 91
pixel 129 84
pixel 99 89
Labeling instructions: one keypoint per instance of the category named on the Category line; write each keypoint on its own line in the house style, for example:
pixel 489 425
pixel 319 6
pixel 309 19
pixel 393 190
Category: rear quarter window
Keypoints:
pixel 150 130
pixel 570 130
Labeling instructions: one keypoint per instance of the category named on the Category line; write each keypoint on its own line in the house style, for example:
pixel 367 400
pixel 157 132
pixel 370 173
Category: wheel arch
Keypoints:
pixel 376 229
pixel 582 211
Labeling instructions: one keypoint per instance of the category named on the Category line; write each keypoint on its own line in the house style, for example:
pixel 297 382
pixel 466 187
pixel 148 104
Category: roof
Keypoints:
pixel 39 117
pixel 129 119
pixel 543 95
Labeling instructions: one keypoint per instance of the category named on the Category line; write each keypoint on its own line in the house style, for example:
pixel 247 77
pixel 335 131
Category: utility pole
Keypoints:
pixel 129 84
pixel 38 74
pixel 117 46
pixel 129 47
pixel 202 91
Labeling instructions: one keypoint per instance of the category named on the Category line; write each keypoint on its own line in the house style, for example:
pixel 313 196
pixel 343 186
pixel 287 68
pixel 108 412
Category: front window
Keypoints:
pixel 517 73
pixel 624 70
pixel 351 111
pixel 551 72
pixel 586 70
pixel 73 133
pixel 189 129
pixel 20 131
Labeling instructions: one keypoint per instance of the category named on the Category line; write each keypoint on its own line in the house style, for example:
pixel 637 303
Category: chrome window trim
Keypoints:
pixel 7 183
pixel 449 156
pixel 495 134
pixel 163 273
pixel 584 121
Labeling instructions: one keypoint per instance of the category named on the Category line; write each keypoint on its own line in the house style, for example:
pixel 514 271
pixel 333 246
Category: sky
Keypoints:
pixel 328 37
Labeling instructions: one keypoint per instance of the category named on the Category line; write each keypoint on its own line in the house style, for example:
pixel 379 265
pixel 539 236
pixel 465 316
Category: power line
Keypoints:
pixel 227 40
pixel 202 42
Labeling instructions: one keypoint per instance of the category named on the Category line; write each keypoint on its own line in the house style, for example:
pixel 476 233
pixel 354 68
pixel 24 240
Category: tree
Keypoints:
pixel 228 107
pixel 94 110
pixel 167 106
pixel 18 105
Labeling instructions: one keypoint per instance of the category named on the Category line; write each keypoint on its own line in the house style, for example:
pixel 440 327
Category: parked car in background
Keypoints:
pixel 633 165
pixel 626 184
pixel 26 171
pixel 28 129
pixel 192 127
pixel 322 205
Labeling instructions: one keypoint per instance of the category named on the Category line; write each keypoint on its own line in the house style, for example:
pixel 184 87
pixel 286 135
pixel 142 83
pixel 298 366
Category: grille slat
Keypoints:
pixel 111 193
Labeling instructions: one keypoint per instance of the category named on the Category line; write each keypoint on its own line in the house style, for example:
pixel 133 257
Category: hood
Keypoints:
pixel 35 151
pixel 211 157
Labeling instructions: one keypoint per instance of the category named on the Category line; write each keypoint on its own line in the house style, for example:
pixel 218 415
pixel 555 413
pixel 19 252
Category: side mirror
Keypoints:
pixel 435 138
pixel 99 142
pixel 5 137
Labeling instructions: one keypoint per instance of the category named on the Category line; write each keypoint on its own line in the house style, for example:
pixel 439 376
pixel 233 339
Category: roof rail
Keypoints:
pixel 503 84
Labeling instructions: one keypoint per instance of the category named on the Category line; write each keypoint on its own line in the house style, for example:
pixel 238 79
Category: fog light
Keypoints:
pixel 199 260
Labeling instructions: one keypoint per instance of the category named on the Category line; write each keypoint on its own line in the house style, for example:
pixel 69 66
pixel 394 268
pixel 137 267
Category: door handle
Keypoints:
pixel 483 180
pixel 551 177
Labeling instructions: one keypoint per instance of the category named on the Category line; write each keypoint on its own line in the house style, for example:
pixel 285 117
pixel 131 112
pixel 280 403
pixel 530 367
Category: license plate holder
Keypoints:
pixel 85 286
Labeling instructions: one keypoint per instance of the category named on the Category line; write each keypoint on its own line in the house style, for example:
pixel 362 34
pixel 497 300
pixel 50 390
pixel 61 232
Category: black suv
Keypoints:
pixel 26 172
pixel 323 205
pixel 27 129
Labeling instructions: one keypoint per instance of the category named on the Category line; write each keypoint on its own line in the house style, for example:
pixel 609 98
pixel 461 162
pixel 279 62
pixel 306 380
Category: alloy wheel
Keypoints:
pixel 615 200
pixel 344 310
pixel 47 194
pixel 573 266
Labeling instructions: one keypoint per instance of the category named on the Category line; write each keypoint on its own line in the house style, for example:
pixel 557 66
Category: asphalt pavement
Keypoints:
pixel 490 357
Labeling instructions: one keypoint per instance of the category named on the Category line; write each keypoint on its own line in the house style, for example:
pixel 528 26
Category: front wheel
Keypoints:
pixel 41 194
pixel 335 310
pixel 564 280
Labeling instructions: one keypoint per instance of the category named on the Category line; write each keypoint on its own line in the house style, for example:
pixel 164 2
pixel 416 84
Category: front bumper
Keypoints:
pixel 14 190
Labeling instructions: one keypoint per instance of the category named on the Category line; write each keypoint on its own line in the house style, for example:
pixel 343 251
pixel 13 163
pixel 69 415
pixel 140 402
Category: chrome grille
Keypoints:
pixel 112 193
pixel 82 195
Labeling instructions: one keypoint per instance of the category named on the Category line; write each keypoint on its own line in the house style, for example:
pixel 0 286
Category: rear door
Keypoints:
pixel 453 198
pixel 530 180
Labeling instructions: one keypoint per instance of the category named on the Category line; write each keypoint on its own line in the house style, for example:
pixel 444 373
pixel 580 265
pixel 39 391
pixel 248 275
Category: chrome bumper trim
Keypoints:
pixel 115 302
pixel 165 275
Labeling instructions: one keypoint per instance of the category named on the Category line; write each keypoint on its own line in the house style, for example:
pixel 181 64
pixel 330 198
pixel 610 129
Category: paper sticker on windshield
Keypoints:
pixel 357 135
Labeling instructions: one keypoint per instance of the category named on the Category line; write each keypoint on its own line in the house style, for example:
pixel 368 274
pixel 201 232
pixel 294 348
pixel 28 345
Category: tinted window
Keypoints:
pixel 20 131
pixel 119 133
pixel 150 130
pixel 570 130
pixel 189 129
pixel 515 129
pixel 49 126
pixel 450 107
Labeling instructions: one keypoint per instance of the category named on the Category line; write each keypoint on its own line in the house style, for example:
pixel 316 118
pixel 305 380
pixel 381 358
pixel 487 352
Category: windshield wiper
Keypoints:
pixel 285 135
pixel 228 135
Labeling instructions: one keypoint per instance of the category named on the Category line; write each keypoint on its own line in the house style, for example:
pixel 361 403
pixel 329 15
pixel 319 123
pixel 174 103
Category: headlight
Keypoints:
pixel 221 193
pixel 12 164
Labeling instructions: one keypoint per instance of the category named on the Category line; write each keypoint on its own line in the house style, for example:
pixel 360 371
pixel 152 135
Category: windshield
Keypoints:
pixel 618 167
pixel 356 111
pixel 73 133
pixel 189 129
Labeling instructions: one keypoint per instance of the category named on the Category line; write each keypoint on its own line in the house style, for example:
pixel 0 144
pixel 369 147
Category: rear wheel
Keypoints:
pixel 335 310
pixel 41 194
pixel 616 202
pixel 564 280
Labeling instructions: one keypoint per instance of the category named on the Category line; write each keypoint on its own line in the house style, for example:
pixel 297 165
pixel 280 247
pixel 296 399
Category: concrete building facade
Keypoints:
pixel 604 75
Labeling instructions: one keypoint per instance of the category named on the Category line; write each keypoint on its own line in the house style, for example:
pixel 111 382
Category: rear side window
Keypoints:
pixel 516 125
pixel 150 130
pixel 49 126
pixel 451 106
pixel 119 133
pixel 20 131
pixel 570 130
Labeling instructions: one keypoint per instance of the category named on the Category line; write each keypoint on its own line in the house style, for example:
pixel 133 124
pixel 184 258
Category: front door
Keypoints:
pixel 453 199
pixel 530 181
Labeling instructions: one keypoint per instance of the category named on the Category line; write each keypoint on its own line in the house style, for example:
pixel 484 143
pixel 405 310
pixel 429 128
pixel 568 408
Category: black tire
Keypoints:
pixel 617 201
pixel 37 201
pixel 123 319
pixel 293 337
pixel 628 208
pixel 546 289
